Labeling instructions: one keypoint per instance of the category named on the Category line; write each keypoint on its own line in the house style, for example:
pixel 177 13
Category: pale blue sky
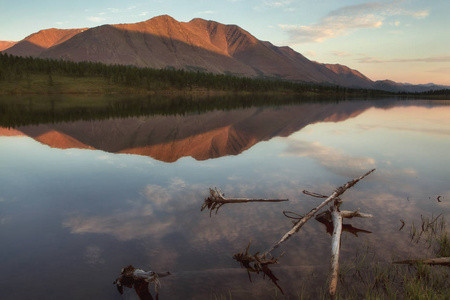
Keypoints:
pixel 402 40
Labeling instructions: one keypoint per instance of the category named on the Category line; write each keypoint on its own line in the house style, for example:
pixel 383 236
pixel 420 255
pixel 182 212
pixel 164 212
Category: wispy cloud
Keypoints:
pixel 341 53
pixel 277 3
pixel 344 20
pixel 330 158
pixel 374 60
pixel 280 4
pixel 440 70
pixel 96 19
pixel 113 10
pixel 206 12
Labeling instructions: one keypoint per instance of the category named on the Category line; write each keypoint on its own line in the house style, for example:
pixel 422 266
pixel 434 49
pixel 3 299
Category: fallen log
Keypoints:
pixel 258 263
pixel 337 217
pixel 139 279
pixel 339 191
pixel 216 200
pixel 442 261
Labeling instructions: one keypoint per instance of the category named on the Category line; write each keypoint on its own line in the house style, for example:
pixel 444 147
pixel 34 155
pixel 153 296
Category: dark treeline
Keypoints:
pixel 33 110
pixel 13 68
pixel 445 93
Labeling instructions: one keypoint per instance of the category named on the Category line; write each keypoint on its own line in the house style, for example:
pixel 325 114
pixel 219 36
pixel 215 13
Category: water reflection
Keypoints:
pixel 85 205
pixel 203 136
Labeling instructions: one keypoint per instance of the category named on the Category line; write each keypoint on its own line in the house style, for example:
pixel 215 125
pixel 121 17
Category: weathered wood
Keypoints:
pixel 258 263
pixel 336 216
pixel 130 276
pixel 339 191
pixel 442 261
pixel 216 200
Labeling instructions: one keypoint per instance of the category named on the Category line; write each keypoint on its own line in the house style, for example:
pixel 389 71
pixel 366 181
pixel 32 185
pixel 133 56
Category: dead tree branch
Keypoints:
pixel 138 278
pixel 337 217
pixel 335 248
pixel 443 261
pixel 339 191
pixel 258 263
pixel 216 200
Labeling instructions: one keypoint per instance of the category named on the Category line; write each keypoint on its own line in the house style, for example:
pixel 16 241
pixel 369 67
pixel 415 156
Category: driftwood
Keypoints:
pixel 216 200
pixel 297 225
pixel 337 216
pixel 442 261
pixel 139 279
pixel 258 263
pixel 325 218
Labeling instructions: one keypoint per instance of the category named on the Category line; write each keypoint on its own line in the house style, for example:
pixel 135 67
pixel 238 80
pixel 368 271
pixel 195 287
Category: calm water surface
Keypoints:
pixel 81 200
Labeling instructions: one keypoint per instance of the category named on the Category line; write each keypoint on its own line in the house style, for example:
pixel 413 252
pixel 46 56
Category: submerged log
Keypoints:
pixel 339 191
pixel 258 263
pixel 216 200
pixel 442 261
pixel 139 279
pixel 337 217
pixel 325 218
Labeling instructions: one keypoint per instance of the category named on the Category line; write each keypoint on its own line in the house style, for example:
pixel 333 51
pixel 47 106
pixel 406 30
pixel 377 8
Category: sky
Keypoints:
pixel 406 41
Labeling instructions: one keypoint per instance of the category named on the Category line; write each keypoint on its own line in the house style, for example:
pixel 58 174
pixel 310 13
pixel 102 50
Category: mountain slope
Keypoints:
pixel 6 44
pixel 36 43
pixel 353 77
pixel 198 45
pixel 163 42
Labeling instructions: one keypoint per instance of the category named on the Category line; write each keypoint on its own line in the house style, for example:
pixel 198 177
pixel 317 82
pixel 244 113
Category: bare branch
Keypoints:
pixel 258 263
pixel 339 191
pixel 216 200
pixel 443 261
pixel 312 194
pixel 335 249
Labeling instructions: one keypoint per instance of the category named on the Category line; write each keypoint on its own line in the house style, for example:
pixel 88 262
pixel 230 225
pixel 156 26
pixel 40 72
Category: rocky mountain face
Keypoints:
pixel 198 45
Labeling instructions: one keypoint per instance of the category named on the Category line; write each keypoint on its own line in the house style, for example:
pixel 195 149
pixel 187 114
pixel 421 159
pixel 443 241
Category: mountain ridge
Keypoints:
pixel 197 45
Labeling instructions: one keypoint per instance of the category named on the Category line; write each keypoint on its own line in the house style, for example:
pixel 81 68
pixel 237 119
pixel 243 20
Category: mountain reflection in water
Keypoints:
pixel 202 136
pixel 75 213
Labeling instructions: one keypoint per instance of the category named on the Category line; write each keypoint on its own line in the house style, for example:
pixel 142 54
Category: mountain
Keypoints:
pixel 6 44
pixel 36 43
pixel 354 78
pixel 197 45
pixel 392 86
pixel 163 42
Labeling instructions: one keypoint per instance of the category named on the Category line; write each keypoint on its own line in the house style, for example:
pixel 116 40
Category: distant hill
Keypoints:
pixel 36 43
pixel 6 44
pixel 198 45
pixel 392 86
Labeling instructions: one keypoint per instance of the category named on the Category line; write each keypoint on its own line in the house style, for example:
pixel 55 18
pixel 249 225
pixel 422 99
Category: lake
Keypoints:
pixel 87 190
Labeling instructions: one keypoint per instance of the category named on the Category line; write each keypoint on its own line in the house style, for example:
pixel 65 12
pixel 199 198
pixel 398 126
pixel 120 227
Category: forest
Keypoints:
pixel 29 75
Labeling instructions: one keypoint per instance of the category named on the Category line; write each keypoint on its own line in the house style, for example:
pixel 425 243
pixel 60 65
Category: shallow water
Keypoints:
pixel 80 200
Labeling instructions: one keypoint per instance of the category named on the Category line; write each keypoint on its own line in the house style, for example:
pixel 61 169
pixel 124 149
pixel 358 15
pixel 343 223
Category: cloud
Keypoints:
pixel 93 255
pixel 277 3
pixel 440 70
pixel 341 53
pixel 206 12
pixel 96 19
pixel 431 59
pixel 344 20
pixel 310 53
pixel 283 4
pixel 113 10
pixel 331 159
